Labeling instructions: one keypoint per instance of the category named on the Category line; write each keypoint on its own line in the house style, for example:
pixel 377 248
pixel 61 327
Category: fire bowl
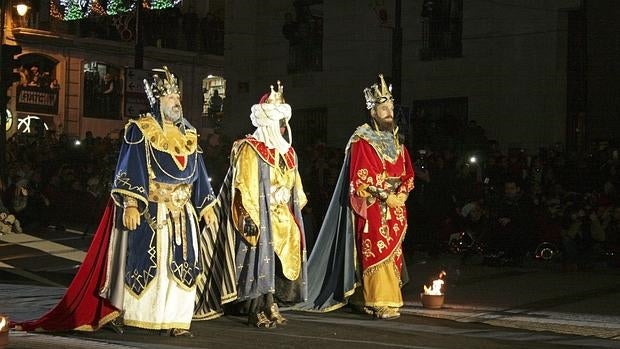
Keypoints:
pixel 4 338
pixel 431 301
pixel 4 331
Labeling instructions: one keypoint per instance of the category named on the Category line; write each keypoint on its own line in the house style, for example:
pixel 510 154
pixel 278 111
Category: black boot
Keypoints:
pixel 260 320
pixel 116 325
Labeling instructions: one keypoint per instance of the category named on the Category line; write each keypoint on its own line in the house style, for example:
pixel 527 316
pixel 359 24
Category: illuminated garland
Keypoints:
pixel 163 4
pixel 78 9
pixel 160 4
pixel 116 7
pixel 55 11
pixel 73 10
pixel 97 9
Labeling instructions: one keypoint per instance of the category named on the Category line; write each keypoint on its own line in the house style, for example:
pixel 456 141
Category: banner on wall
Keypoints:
pixel 34 99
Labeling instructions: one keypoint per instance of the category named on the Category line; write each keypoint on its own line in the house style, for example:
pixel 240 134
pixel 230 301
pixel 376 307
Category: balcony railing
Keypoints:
pixel 161 28
pixel 441 38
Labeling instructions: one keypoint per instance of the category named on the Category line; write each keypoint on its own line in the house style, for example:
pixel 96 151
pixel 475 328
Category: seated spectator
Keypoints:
pixel 470 228
pixel 8 222
pixel 30 205
pixel 573 239
pixel 612 226
pixel 474 218
pixel 513 219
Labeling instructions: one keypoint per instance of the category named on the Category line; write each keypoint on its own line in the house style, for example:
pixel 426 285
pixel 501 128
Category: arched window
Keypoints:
pixel 38 87
pixel 214 92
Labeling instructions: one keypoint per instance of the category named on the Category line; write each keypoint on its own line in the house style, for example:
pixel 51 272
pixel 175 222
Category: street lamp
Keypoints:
pixel 22 9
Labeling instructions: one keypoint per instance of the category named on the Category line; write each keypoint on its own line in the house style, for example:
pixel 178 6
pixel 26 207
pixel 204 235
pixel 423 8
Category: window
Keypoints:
pixel 442 29
pixel 439 123
pixel 38 89
pixel 304 32
pixel 214 92
pixel 308 126
pixel 102 91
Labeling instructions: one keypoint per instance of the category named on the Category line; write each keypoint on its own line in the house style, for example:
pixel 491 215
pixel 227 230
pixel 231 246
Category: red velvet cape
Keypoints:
pixel 81 308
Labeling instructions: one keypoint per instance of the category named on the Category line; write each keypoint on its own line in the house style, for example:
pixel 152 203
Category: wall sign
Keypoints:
pixel 34 99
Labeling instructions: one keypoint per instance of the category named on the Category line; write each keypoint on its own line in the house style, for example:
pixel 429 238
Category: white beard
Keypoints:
pixel 171 115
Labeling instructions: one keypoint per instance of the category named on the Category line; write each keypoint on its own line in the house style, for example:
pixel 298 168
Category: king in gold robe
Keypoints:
pixel 267 199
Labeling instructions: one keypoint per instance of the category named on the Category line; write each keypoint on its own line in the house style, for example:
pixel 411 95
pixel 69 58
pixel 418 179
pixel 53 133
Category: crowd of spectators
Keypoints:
pixel 54 180
pixel 31 76
pixel 511 200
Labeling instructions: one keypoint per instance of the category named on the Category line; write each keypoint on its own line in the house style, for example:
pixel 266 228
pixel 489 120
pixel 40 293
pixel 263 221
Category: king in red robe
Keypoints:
pixel 358 257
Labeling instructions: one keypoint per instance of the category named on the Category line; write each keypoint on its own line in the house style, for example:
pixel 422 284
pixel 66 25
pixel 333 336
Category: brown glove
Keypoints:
pixel 249 227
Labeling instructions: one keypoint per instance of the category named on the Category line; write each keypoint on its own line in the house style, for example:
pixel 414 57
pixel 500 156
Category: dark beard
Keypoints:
pixel 386 126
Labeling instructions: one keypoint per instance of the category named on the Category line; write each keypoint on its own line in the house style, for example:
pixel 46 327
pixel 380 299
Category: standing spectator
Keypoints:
pixel 109 96
pixel 46 79
pixel 215 108
pixel 34 76
pixel 24 76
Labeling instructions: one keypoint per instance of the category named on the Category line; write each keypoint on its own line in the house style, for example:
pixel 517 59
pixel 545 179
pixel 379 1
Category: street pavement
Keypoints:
pixel 534 297
pixel 537 296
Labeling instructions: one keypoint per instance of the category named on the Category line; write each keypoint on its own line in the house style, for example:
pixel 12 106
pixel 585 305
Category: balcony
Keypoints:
pixel 167 29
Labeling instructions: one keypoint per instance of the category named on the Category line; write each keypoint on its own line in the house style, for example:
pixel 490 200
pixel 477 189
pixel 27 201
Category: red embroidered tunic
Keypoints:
pixel 379 228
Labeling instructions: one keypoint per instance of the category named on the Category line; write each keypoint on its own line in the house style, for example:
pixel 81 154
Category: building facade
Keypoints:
pixel 511 66
pixel 86 74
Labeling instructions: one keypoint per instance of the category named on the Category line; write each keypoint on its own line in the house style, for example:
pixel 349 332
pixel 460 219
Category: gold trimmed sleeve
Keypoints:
pixel 208 207
pixel 301 195
pixel 121 196
pixel 245 186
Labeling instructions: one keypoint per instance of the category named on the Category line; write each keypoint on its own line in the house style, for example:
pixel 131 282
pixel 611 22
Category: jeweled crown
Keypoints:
pixel 376 94
pixel 275 97
pixel 161 87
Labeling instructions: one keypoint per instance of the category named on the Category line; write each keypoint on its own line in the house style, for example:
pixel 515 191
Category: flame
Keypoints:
pixel 2 322
pixel 435 289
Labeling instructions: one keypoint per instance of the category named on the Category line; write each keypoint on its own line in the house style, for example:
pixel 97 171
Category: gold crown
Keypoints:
pixel 159 88
pixel 376 94
pixel 276 97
